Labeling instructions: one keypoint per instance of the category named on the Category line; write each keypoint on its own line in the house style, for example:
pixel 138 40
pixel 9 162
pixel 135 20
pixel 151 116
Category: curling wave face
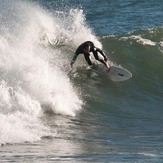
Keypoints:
pixel 33 75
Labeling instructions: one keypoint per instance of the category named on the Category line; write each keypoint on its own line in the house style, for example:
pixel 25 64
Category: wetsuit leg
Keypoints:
pixel 86 55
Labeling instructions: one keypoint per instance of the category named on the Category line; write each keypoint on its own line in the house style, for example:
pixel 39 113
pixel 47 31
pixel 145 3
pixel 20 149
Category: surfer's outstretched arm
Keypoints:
pixel 101 52
pixel 104 61
pixel 74 59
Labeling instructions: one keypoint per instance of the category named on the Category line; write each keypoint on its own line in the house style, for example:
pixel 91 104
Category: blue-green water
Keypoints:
pixel 50 113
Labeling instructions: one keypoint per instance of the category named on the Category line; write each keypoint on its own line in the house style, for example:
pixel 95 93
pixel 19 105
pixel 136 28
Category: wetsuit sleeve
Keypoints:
pixel 101 52
pixel 74 59
pixel 87 58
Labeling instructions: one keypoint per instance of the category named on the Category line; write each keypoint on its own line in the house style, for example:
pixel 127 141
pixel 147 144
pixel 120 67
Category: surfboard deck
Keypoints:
pixel 118 74
pixel 115 73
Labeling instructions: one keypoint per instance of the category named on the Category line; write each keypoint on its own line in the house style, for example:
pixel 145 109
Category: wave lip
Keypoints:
pixel 32 68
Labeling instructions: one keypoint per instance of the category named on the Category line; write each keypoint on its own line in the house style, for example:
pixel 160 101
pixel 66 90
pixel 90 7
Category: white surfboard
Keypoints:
pixel 118 74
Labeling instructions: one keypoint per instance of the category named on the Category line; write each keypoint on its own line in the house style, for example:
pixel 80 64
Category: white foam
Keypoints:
pixel 160 46
pixel 149 154
pixel 32 73
pixel 141 40
pixel 19 116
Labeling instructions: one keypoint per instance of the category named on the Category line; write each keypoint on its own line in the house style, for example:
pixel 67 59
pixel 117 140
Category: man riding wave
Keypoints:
pixel 87 47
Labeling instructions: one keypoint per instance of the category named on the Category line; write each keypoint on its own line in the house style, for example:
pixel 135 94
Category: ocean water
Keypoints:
pixel 50 113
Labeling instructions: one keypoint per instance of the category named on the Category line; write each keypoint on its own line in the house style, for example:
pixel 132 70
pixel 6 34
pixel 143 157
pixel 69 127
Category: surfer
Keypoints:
pixel 87 47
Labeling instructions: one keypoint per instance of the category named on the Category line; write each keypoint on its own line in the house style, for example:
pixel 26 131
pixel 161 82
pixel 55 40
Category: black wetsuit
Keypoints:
pixel 93 49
